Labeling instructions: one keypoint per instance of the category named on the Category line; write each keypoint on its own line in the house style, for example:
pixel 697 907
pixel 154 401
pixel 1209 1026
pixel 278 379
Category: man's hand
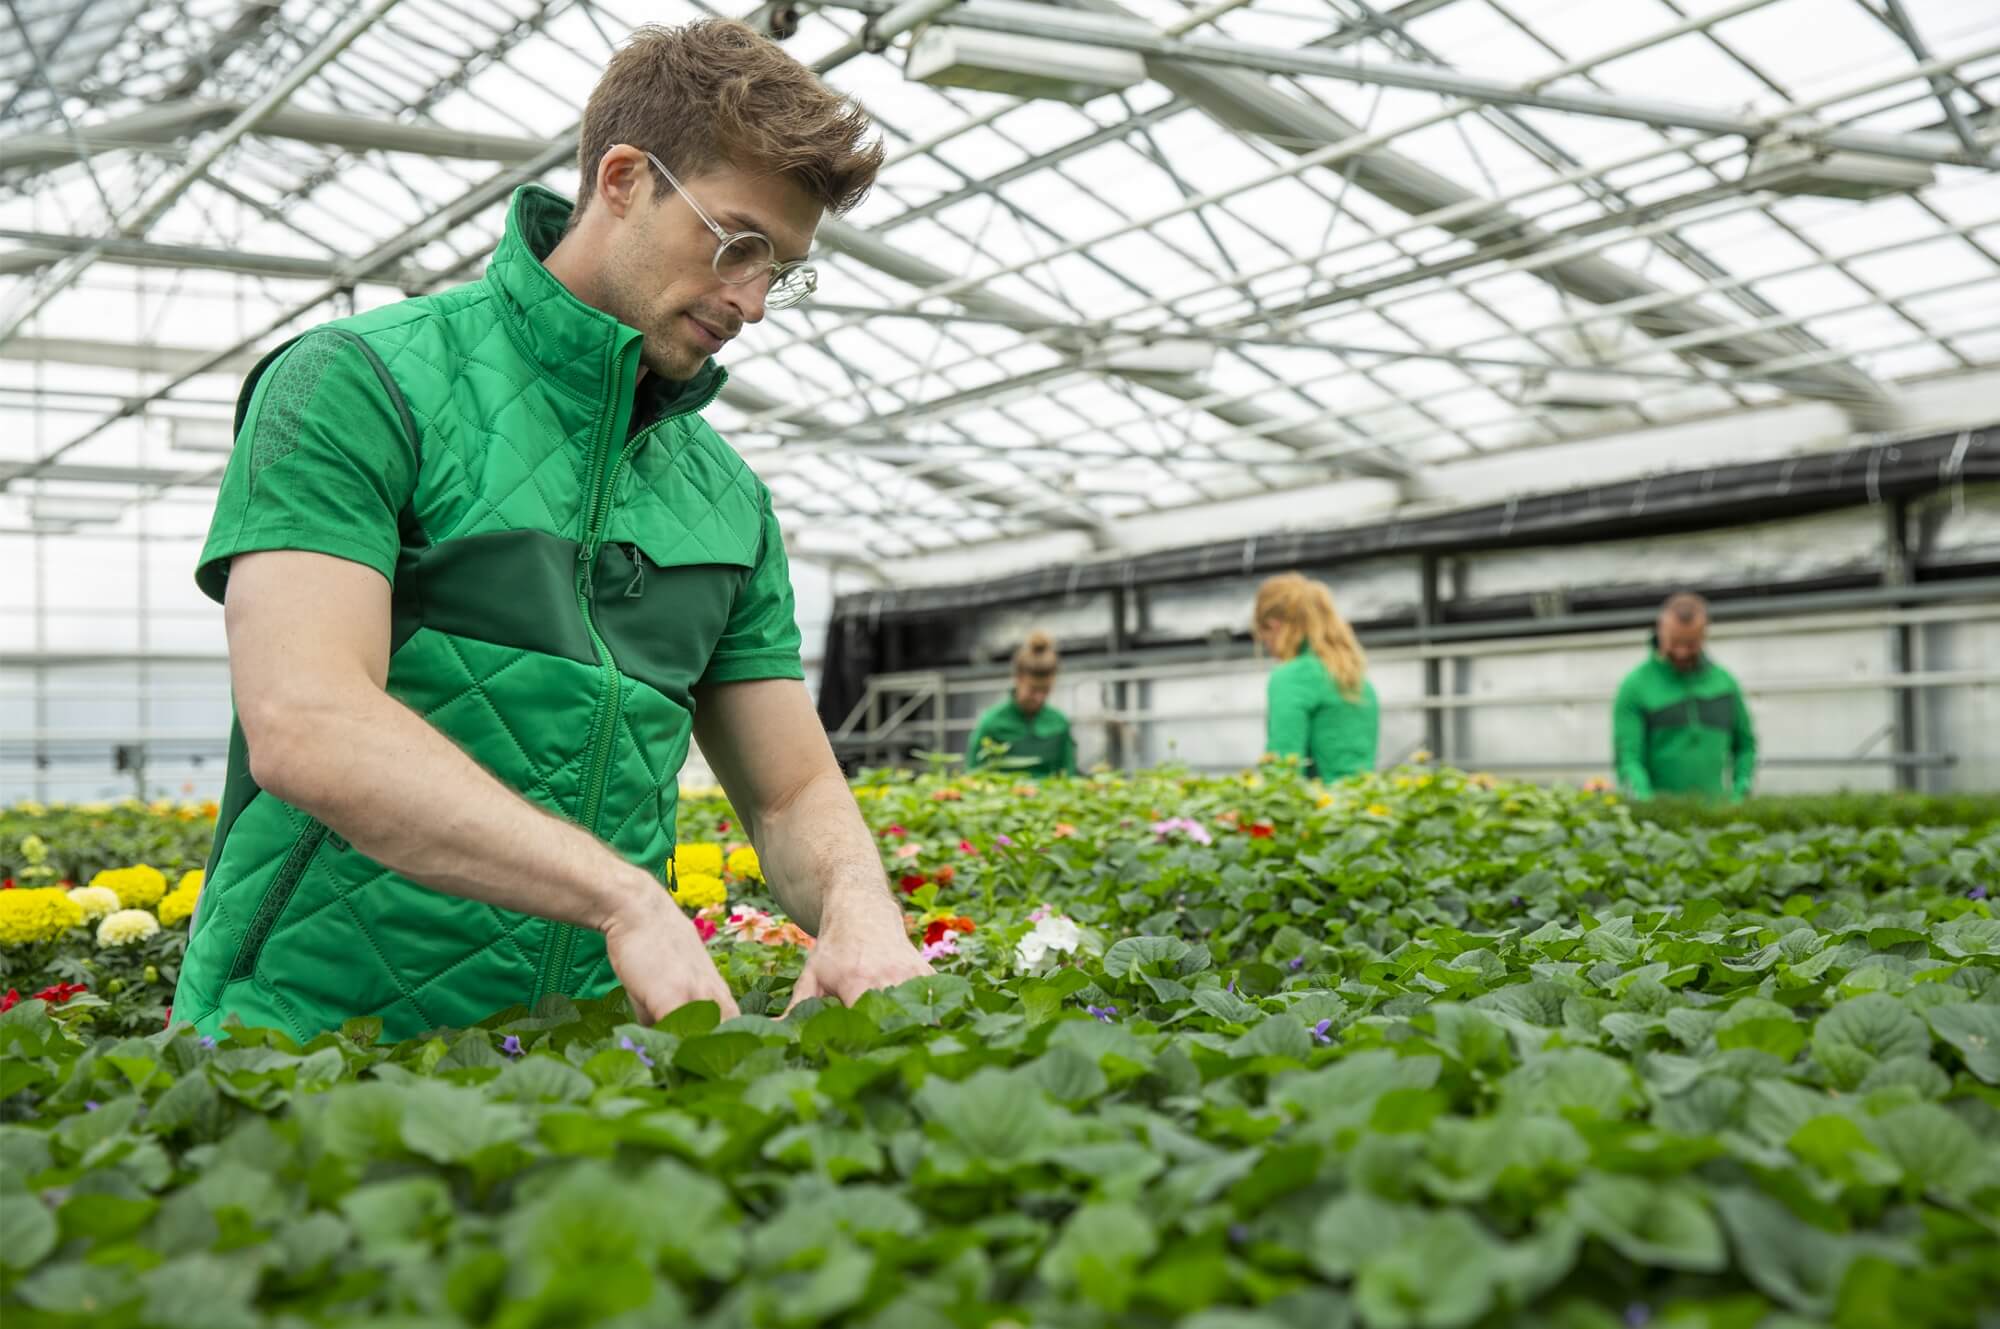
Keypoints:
pixel 848 961
pixel 661 959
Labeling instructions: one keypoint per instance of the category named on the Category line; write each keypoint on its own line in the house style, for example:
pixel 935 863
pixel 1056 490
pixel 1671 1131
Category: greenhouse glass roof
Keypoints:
pixel 1274 242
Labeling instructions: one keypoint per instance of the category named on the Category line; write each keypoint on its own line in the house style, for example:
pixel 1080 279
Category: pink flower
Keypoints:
pixel 1004 841
pixel 943 946
pixel 908 850
pixel 1064 830
pixel 897 831
pixel 1187 826
pixel 965 847
pixel 704 928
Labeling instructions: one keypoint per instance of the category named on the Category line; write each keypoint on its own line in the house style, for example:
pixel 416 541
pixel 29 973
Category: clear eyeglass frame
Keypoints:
pixel 742 257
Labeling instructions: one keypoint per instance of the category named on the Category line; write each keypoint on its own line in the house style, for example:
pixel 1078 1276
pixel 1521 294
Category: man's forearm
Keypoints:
pixel 820 859
pixel 404 795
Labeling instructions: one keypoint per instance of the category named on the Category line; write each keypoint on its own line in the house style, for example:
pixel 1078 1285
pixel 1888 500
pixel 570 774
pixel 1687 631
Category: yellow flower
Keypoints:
pixel 96 901
pixel 180 902
pixel 699 890
pixel 698 860
pixel 125 927
pixel 136 887
pixel 1378 809
pixel 743 863
pixel 1326 800
pixel 38 913
pixel 30 808
pixel 34 849
pixel 160 807
pixel 1420 756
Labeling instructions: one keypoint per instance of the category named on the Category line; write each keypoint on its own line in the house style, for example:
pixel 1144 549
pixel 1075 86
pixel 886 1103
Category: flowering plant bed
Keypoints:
pixel 1421 1050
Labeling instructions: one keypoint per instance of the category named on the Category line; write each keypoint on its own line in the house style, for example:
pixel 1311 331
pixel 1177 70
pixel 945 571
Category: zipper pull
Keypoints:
pixel 586 551
pixel 638 584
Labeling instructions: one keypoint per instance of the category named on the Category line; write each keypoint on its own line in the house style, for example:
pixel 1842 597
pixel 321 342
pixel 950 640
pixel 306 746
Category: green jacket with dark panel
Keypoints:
pixel 1683 733
pixel 571 557
pixel 1038 744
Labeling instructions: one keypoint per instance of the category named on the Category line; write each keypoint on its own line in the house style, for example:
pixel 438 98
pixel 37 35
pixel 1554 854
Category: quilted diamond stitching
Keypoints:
pixel 395 975
pixel 520 920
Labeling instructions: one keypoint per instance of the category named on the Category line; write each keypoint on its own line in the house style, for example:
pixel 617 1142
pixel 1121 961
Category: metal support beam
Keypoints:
pixel 1428 617
pixel 1941 84
pixel 1899 570
pixel 40 248
pixel 156 204
pixel 1250 103
pixel 1112 27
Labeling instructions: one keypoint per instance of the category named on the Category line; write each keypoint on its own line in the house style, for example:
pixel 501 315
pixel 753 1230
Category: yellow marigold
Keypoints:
pixel 699 890
pixel 125 927
pixel 96 901
pixel 743 863
pixel 39 913
pixel 160 807
pixel 698 860
pixel 178 906
pixel 1378 809
pixel 136 887
pixel 30 808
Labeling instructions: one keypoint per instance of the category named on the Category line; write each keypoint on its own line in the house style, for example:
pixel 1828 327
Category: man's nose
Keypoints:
pixel 747 298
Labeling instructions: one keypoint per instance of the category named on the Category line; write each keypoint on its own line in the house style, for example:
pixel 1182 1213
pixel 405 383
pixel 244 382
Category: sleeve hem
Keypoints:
pixel 754 666
pixel 211 575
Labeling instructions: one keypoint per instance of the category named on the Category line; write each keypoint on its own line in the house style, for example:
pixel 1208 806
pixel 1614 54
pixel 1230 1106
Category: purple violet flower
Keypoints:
pixel 1976 893
pixel 1239 1234
pixel 1004 841
pixel 1105 1013
pixel 1298 963
pixel 1231 989
pixel 208 1040
pixel 625 1041
pixel 91 1105
pixel 511 1045
pixel 1638 1315
pixel 1319 1031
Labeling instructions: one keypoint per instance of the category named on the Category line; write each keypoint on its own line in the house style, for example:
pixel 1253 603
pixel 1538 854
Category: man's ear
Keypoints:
pixel 621 174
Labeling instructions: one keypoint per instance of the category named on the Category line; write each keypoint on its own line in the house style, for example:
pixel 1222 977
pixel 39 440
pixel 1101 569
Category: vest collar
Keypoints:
pixel 568 339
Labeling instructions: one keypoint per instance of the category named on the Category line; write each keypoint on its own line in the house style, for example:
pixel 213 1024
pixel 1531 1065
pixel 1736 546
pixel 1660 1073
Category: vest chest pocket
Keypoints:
pixel 661 623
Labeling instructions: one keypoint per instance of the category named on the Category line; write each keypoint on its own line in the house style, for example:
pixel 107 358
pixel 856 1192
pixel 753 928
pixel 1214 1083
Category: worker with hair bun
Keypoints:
pixel 1035 734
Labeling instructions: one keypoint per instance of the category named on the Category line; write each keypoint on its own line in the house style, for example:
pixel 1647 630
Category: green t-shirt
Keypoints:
pixel 1038 744
pixel 1308 717
pixel 324 463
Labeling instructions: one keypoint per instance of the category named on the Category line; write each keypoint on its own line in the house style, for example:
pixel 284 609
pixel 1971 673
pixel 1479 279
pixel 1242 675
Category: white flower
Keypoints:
pixel 1052 935
pixel 126 926
pixel 1061 934
pixel 96 901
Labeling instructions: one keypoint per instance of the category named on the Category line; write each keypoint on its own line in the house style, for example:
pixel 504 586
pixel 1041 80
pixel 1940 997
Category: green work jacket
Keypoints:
pixel 1676 733
pixel 570 558
pixel 1038 744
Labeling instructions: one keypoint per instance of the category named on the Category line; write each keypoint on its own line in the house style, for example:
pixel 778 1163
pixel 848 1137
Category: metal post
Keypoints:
pixel 1427 618
pixel 1897 571
pixel 1116 642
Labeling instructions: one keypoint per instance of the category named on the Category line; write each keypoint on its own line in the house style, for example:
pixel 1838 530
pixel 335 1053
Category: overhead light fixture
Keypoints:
pixel 188 434
pixel 1789 161
pixel 1169 355
pixel 1569 390
pixel 61 510
pixel 1028 67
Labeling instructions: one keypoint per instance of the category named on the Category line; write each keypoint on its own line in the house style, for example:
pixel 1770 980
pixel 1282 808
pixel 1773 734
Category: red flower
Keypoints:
pixel 940 927
pixel 944 875
pixel 722 827
pixel 896 831
pixel 1261 830
pixel 965 847
pixel 170 1018
pixel 6 883
pixel 59 993
pixel 11 1000
pixel 911 882
pixel 703 928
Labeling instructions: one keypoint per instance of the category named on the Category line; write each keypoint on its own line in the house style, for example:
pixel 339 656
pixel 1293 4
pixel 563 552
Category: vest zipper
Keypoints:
pixel 556 954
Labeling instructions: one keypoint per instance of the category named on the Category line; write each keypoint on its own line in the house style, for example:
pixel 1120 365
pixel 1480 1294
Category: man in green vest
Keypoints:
pixel 1680 725
pixel 486 572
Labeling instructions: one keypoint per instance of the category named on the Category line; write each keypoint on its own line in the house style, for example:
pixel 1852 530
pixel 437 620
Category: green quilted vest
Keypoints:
pixel 561 582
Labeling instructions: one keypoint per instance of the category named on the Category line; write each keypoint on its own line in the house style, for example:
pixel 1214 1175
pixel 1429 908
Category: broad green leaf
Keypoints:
pixel 1355 1226
pixel 1650 1223
pixel 1069 1076
pixel 27 1232
pixel 1765 1025
pixel 1849 1039
pixel 1974 1029
pixel 1787 1258
pixel 1098 1253
pixel 1934 1147
pixel 1443 1275
pixel 1571 1080
pixel 1000 1117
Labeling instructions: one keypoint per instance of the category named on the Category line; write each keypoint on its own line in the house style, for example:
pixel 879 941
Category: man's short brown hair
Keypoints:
pixel 715 93
pixel 1685 607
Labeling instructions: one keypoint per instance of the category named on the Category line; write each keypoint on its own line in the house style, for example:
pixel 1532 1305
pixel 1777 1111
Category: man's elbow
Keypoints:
pixel 286 743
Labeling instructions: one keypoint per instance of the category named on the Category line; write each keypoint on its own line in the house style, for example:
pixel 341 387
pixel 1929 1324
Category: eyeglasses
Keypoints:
pixel 742 257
